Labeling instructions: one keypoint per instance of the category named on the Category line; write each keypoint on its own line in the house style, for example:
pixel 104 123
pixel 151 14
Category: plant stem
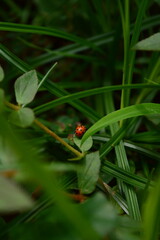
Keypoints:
pixel 55 136
pixel 47 130
pixel 12 106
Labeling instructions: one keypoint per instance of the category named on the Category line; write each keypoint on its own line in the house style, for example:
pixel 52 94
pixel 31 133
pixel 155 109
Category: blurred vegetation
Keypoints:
pixel 94 63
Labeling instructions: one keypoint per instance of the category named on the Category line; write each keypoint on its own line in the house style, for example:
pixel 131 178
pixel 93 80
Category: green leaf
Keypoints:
pixel 1 73
pixel 124 113
pixel 151 43
pixel 85 146
pixel 24 117
pixel 96 209
pixel 90 92
pixel 89 175
pixel 26 87
pixel 50 86
pixel 13 198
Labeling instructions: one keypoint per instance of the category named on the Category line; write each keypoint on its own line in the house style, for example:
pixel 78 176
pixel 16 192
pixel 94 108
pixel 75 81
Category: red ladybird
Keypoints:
pixel 80 130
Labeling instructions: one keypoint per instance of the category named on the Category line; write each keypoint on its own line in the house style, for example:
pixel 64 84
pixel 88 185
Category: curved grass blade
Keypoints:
pixel 125 113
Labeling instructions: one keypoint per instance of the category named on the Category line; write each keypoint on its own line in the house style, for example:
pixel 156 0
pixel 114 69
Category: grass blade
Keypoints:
pixel 24 28
pixel 125 113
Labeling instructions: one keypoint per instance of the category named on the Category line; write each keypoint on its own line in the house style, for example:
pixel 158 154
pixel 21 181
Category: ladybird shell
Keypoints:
pixel 80 130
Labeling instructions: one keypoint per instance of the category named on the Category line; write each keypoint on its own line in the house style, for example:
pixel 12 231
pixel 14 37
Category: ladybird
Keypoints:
pixel 80 130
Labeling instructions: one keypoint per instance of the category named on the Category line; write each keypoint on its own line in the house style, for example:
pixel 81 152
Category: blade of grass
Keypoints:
pixel 86 93
pixel 132 146
pixel 117 197
pixel 24 28
pixel 122 162
pixel 115 139
pixel 129 55
pixel 46 75
pixel 125 176
pixel 121 114
pixel 98 40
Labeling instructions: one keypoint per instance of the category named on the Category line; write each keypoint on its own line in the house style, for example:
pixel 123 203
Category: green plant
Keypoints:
pixel 104 73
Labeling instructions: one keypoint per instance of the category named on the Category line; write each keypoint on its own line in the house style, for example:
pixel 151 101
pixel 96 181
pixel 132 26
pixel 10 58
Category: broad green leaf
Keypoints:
pixel 13 198
pixel 124 113
pixel 22 118
pixel 89 174
pixel 1 98
pixel 1 73
pixel 85 146
pixel 26 87
pixel 151 43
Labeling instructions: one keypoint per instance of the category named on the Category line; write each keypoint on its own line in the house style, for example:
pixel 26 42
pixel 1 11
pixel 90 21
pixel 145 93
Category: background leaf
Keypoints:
pixel 26 87
pixel 13 198
pixel 1 73
pixel 151 43
pixel 24 117
pixel 88 177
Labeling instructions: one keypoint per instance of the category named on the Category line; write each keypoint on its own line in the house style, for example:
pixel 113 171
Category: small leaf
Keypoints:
pixel 1 73
pixel 24 117
pixel 87 178
pixel 26 87
pixel 13 198
pixel 85 146
pixel 151 43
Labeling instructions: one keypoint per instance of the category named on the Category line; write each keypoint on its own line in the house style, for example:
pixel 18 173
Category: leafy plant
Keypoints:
pixel 70 63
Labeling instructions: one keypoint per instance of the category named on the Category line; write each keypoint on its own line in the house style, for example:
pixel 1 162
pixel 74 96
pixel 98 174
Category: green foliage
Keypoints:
pixel 151 43
pixel 23 117
pixel 128 112
pixel 13 198
pixel 85 146
pixel 89 174
pixel 100 81
pixel 26 87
